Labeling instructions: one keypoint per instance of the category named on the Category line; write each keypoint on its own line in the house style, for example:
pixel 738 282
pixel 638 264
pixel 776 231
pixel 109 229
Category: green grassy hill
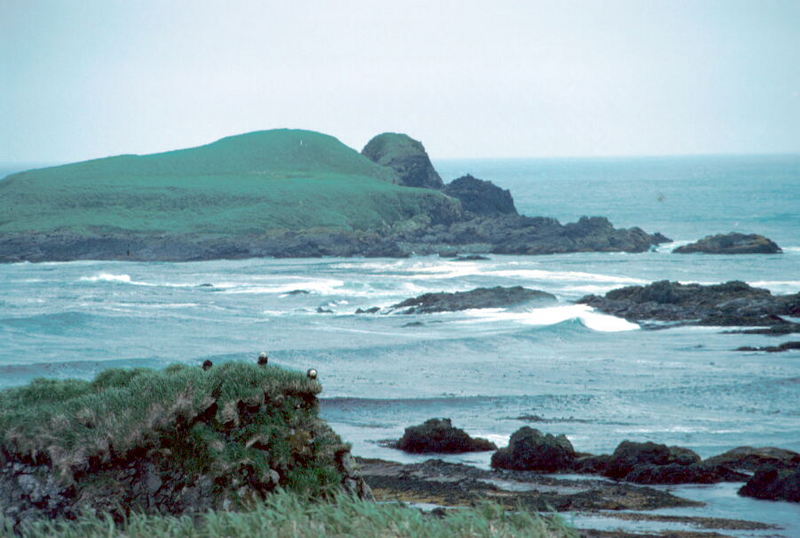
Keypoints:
pixel 246 184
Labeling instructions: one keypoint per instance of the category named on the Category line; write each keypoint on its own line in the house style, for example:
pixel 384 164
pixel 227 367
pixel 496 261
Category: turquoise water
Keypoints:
pixel 596 378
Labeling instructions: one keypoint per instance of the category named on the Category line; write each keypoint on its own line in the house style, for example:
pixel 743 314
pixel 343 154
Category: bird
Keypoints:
pixel 311 373
pixel 207 364
pixel 263 358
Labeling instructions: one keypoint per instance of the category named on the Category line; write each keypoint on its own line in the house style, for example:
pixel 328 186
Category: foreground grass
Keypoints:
pixel 290 515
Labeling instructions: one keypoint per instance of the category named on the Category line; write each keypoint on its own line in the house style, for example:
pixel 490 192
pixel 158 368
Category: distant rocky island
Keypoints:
pixel 281 193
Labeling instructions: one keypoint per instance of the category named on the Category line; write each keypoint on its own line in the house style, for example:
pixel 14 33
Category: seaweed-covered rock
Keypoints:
pixel 406 156
pixel 629 455
pixel 177 441
pixel 732 243
pixel 478 298
pixel 750 458
pixel 439 435
pixel 774 484
pixel 530 449
pixel 731 303
pixel 481 197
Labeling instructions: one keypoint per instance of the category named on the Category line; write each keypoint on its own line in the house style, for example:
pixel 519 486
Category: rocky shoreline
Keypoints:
pixel 498 235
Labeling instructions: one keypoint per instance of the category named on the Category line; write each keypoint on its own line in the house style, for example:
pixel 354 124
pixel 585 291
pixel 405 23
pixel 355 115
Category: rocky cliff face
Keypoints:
pixel 407 157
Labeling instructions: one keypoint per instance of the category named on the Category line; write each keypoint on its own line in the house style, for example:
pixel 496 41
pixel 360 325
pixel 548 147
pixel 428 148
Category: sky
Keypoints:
pixel 91 78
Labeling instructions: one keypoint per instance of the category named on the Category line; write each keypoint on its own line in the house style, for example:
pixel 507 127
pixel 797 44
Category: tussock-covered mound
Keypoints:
pixel 176 441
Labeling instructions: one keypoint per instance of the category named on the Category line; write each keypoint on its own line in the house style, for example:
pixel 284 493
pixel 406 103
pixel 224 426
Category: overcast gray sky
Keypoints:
pixel 88 78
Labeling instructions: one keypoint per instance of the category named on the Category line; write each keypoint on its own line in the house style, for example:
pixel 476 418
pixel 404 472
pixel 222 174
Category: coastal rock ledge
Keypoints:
pixel 728 304
pixel 732 243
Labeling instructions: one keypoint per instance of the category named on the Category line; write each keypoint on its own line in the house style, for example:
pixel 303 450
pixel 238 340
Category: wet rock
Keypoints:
pixel 774 484
pixel 321 310
pixel 731 303
pixel 629 455
pixel 298 292
pixel 732 243
pixel 591 464
pixel 676 473
pixel 439 435
pixel 407 157
pixel 481 198
pixel 786 346
pixel 750 458
pixel 371 310
pixel 530 449
pixel 471 258
pixel 477 298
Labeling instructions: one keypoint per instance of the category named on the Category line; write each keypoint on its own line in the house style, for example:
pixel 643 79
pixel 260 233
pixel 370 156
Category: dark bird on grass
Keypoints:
pixel 311 373
pixel 207 364
pixel 263 359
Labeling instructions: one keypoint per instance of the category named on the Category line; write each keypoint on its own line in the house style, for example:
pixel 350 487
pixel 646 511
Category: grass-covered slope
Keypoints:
pixel 246 184
pixel 178 441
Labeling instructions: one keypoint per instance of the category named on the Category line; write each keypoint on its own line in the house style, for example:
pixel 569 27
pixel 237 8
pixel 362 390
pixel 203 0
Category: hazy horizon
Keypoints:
pixel 511 80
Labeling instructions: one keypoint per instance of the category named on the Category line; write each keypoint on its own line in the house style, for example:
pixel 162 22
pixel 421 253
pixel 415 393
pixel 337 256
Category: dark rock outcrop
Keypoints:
pixel 407 157
pixel 630 455
pixel 478 298
pixel 517 234
pixel 471 258
pixel 750 458
pixel 481 198
pixel 676 473
pixel 530 449
pixel 731 303
pixel 778 329
pixel 732 243
pixel 774 484
pixel 786 346
pixel 439 435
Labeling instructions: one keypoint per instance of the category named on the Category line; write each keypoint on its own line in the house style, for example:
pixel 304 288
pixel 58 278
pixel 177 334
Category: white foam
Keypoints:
pixel 572 276
pixel 557 314
pixel 320 286
pixel 778 286
pixel 107 277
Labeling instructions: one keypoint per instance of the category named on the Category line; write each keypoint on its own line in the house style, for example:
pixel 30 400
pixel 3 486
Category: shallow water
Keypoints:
pixel 596 378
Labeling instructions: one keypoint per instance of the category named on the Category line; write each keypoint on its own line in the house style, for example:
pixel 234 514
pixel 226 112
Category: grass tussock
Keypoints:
pixel 233 419
pixel 289 515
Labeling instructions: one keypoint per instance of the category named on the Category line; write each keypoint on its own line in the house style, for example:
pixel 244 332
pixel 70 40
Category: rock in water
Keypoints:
pixel 478 298
pixel 750 458
pixel 407 157
pixel 481 198
pixel 630 456
pixel 731 303
pixel 732 243
pixel 774 484
pixel 530 449
pixel 786 346
pixel 439 435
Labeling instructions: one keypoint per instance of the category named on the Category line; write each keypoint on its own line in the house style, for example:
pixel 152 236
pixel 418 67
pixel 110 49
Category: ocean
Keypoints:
pixel 561 369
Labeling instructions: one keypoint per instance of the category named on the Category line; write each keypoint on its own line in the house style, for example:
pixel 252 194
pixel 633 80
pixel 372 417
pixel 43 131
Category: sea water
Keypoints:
pixel 561 368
